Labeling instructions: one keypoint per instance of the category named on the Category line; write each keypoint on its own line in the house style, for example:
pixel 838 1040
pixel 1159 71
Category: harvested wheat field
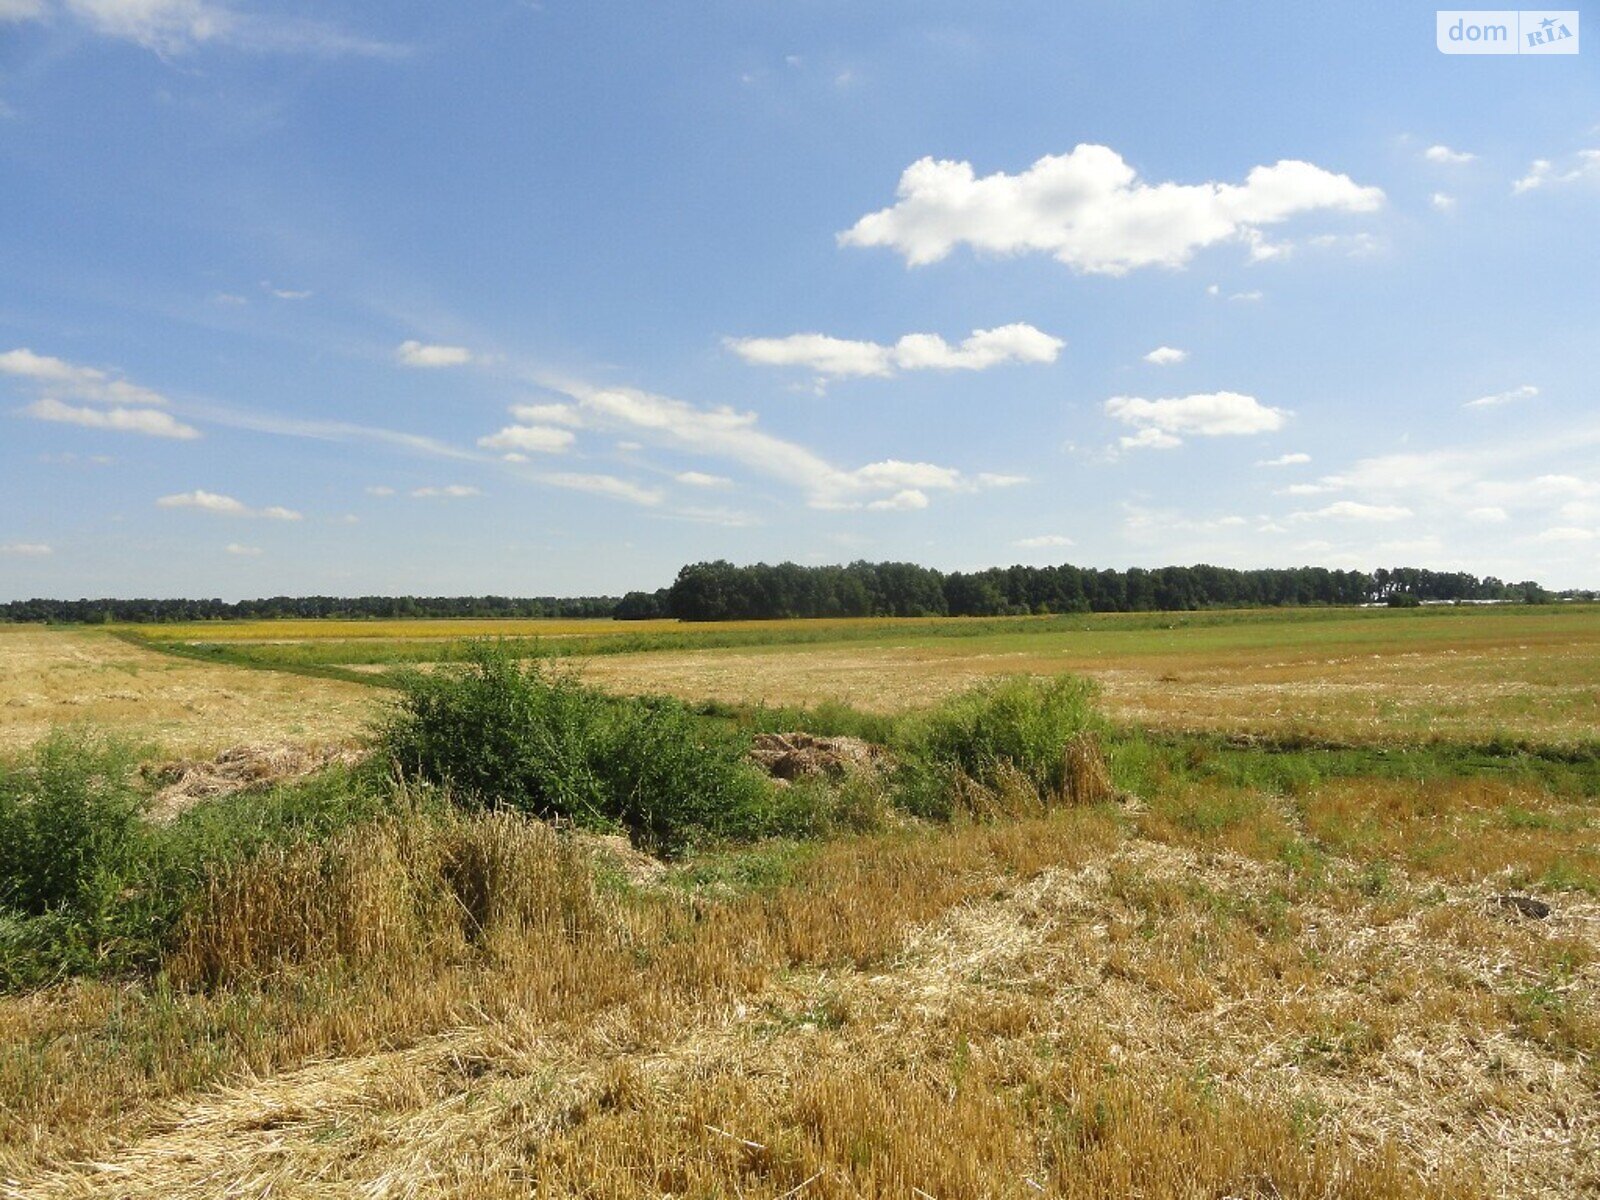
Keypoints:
pixel 1025 940
pixel 58 677
pixel 1443 676
pixel 1061 1006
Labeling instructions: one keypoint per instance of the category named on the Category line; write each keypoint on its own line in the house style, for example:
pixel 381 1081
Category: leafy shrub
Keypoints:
pixel 504 733
pixel 71 842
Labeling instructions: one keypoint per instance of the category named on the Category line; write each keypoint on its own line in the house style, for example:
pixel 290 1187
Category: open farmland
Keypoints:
pixel 1339 674
pixel 1273 967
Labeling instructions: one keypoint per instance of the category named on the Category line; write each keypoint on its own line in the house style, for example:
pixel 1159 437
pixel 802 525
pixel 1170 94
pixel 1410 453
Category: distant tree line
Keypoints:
pixel 370 607
pixel 721 591
pixel 718 591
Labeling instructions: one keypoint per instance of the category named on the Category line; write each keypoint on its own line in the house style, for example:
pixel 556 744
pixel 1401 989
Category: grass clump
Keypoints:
pixel 416 891
pixel 505 733
pixel 1003 747
pixel 89 886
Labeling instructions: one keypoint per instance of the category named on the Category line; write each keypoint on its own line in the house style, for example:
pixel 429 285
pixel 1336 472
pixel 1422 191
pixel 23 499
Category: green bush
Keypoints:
pixel 72 840
pixel 505 733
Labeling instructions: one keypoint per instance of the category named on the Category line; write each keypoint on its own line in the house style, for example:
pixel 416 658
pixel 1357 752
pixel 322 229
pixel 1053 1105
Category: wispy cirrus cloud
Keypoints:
pixel 1090 211
pixel 1582 167
pixel 177 27
pixel 1526 392
pixel 725 434
pixel 603 485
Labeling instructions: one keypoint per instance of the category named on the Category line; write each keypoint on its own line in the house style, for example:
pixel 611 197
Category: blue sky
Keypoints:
pixel 553 298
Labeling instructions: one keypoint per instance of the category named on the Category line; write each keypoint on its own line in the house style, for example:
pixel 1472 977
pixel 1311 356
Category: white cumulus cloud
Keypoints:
pixel 151 422
pixel 449 491
pixel 60 378
pixel 227 506
pixel 128 407
pixel 1565 534
pixel 1149 439
pixel 906 500
pixel 818 352
pixel 991 479
pixel 1207 414
pixel 1090 210
pixel 1354 510
pixel 1443 154
pixel 26 549
pixel 540 439
pixel 839 358
pixel 701 479
pixel 1285 460
pixel 1043 541
pixel 1163 356
pixel 420 354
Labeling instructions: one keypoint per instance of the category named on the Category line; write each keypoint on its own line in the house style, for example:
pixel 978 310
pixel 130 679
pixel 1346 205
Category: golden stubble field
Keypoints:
pixel 1089 1005
pixel 1535 678
pixel 62 677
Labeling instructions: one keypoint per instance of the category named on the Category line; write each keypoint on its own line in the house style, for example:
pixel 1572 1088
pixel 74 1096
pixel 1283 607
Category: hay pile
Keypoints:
pixel 188 781
pixel 791 756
